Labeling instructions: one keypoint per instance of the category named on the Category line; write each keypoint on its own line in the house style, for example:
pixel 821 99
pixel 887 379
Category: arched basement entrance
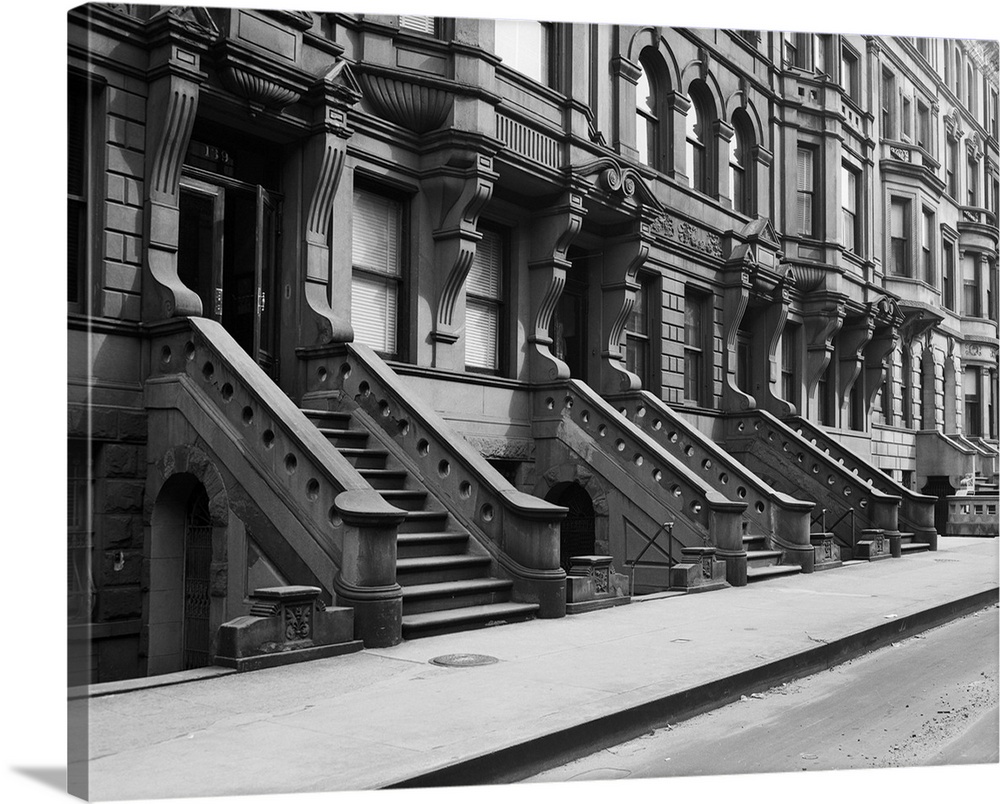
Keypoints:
pixel 179 613
pixel 577 529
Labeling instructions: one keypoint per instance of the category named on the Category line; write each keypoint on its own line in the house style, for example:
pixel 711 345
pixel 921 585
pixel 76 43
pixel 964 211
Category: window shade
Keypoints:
pixel 415 23
pixel 377 270
pixel 482 309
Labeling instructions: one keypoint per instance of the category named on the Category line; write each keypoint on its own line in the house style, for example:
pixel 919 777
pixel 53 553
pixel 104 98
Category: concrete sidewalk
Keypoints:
pixel 560 688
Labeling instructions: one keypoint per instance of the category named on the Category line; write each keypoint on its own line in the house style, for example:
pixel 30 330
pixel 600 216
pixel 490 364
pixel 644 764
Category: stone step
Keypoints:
pixel 432 623
pixel 341 437
pixel 422 521
pixel 362 458
pixel 385 478
pixel 754 540
pixel 439 569
pixel 915 547
pixel 407 499
pixel 327 418
pixel 425 597
pixel 431 543
pixel 764 573
pixel 763 558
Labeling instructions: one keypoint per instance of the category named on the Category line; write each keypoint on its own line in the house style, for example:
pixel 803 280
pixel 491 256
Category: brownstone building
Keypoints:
pixel 416 310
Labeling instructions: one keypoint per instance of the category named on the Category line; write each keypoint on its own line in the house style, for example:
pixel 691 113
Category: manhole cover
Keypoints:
pixel 464 660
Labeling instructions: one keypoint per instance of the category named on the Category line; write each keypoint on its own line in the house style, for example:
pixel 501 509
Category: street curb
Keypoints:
pixel 517 762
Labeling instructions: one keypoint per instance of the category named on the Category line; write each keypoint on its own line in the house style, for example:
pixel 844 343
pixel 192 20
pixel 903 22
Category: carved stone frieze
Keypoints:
pixel 511 449
pixel 687 234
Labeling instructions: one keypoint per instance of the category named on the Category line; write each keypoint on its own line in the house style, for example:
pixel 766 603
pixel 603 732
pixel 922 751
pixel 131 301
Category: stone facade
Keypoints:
pixel 740 223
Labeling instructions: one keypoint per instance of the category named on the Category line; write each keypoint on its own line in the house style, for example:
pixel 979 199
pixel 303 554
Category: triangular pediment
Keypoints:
pixel 341 75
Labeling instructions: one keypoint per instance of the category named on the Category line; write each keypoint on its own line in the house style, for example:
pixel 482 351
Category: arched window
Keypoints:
pixel 741 164
pixel 649 117
pixel 698 140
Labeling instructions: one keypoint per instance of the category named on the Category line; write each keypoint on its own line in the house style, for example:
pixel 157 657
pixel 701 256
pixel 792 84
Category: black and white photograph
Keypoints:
pixel 603 404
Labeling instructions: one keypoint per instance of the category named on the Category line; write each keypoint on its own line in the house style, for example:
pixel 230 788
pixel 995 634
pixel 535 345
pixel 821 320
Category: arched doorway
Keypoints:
pixel 577 529
pixel 179 603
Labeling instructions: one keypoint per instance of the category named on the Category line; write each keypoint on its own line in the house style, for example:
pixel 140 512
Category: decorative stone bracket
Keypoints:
pixel 286 624
pixel 854 337
pixel 886 318
pixel 552 233
pixel 461 188
pixel 175 78
pixel 332 97
pixel 823 320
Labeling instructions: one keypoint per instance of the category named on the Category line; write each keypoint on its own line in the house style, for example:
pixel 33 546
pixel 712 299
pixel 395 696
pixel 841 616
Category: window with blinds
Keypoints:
pixel 377 278
pixel 849 207
pixel 637 333
pixel 415 23
pixel 806 192
pixel 694 348
pixel 899 234
pixel 483 306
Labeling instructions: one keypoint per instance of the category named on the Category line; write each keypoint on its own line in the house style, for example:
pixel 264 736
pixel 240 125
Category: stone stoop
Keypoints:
pixel 447 587
pixel 763 563
pixel 698 571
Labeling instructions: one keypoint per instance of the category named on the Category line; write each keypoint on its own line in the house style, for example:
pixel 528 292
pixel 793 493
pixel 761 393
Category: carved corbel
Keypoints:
pixel 175 79
pixel 323 161
pixel 852 342
pixel 622 260
pixel 821 327
pixel 884 340
pixel 735 298
pixel 775 317
pixel 552 233
pixel 461 188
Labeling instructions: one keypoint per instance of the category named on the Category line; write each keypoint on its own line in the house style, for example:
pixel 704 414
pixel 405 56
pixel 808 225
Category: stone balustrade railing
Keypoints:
pixel 758 436
pixel 521 532
pixel 313 482
pixel 784 520
pixel 916 513
pixel 702 516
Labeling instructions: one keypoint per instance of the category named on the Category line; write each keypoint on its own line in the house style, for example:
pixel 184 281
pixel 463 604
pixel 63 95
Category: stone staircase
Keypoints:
pixel 447 584
pixel 763 563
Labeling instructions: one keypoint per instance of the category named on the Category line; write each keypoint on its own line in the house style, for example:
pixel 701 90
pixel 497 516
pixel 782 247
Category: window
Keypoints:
pixel 907 119
pixel 972 383
pixel 925 414
pixel 906 387
pixel 991 293
pixel 888 105
pixel 823 390
pixel 789 363
pixel 484 306
pixel 849 206
pixel 994 127
pixel 849 73
pixel 647 119
pixel 752 37
pixel 694 348
pixel 697 142
pixel 924 49
pixel 951 168
pixel 927 247
pixel 637 334
pixel 923 126
pixel 899 234
pixel 971 281
pixel 948 276
pixel 524 46
pixel 957 75
pixel 740 164
pixel 970 89
pixel 806 189
pixel 376 283
pixel 76 190
pixel 991 402
pixel 415 23
pixel 972 183
pixel 855 406
pixel 820 48
pixel 885 398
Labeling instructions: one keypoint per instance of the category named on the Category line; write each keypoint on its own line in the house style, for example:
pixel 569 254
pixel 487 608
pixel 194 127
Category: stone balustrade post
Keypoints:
pixel 367 578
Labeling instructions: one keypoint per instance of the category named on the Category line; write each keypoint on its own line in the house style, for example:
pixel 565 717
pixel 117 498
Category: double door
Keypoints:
pixel 227 251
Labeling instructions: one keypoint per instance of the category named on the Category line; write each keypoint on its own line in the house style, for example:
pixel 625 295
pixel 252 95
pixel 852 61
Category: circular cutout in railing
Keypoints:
pixel 464 660
pixel 165 355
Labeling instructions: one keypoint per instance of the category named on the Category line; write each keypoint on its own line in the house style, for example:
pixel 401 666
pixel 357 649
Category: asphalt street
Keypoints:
pixel 927 700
